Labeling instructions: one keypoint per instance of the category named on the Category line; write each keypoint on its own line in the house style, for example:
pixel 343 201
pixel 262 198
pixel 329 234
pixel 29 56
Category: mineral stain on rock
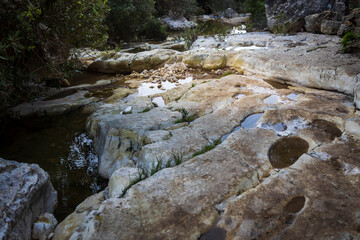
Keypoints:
pixel 284 152
pixel 295 205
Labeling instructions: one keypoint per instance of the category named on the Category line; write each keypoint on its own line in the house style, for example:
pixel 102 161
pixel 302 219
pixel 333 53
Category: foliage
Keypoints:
pixel 154 30
pixel 156 165
pixel 177 157
pixel 257 10
pixel 36 38
pixel 210 146
pixel 128 18
pixel 191 34
pixel 217 5
pixel 176 8
pixel 283 26
pixel 186 117
pixel 347 40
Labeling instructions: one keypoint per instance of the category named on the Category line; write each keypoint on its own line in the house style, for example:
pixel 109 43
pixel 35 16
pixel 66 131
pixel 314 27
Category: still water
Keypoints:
pixel 61 146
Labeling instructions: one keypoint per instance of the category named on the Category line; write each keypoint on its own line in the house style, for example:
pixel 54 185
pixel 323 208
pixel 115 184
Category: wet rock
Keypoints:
pixel 26 193
pixel 67 227
pixel 54 107
pixel 200 183
pixel 44 227
pixel 118 136
pixel 122 179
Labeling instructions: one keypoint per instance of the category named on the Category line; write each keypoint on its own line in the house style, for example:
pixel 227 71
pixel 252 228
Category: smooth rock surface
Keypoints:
pixel 26 193
pixel 127 62
pixel 122 179
pixel 67 227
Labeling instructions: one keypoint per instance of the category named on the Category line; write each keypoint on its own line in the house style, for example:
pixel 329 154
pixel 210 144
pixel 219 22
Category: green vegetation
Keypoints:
pixel 176 8
pixel 156 165
pixel 177 157
pixel 133 182
pixel 226 74
pixel 347 42
pixel 186 117
pixel 207 147
pixel 257 10
pixel 283 26
pixel 191 34
pixel 35 40
pixel 147 109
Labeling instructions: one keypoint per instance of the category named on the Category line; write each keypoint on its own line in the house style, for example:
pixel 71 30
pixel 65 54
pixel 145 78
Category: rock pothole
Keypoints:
pixel 286 151
pixel 295 205
pixel 327 131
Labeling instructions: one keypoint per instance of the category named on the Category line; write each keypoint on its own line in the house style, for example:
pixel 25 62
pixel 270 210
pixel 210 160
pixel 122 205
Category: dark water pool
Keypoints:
pixel 61 147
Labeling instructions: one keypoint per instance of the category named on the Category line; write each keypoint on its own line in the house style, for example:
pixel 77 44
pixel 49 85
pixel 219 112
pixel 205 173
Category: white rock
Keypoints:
pixel 44 227
pixel 121 179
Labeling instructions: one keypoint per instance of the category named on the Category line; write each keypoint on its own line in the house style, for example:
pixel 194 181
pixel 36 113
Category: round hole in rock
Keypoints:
pixel 295 205
pixel 285 151
pixel 329 130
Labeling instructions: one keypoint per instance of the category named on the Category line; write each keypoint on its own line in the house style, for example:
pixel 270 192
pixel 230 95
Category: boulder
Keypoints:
pixel 230 13
pixel 295 11
pixel 313 22
pixel 68 226
pixel 177 24
pixel 330 27
pixel 44 227
pixel 26 193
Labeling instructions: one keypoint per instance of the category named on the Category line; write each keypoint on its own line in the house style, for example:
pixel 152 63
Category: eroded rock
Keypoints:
pixel 26 193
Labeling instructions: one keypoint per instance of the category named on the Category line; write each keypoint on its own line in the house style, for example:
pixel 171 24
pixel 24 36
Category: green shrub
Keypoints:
pixel 283 26
pixel 191 34
pixel 128 18
pixel 154 30
pixel 176 8
pixel 257 10
pixel 347 42
pixel 35 40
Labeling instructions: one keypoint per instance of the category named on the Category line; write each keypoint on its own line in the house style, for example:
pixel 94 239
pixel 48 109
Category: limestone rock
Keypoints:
pixel 127 62
pixel 295 11
pixel 117 136
pixel 67 227
pixel 121 179
pixel 313 22
pixel 44 227
pixel 230 13
pixel 55 106
pixel 298 202
pixel 357 92
pixel 330 27
pixel 26 193
pixel 177 24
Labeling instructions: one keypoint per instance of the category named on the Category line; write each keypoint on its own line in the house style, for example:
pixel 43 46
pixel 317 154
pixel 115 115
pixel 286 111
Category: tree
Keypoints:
pixel 128 18
pixel 36 37
pixel 176 8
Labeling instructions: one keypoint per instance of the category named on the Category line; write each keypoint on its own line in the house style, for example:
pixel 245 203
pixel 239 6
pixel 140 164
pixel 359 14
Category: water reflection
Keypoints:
pixel 62 148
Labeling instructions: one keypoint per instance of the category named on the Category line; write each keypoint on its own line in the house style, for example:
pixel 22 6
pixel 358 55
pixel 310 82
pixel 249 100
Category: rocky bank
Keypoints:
pixel 263 143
